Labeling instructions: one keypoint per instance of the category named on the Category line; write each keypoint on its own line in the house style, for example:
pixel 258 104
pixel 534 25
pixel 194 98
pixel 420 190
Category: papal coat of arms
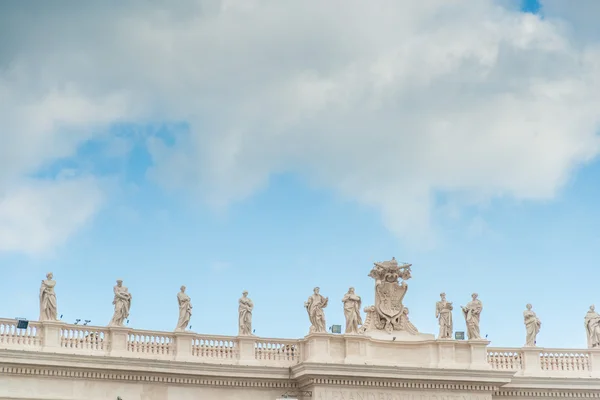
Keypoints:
pixel 389 313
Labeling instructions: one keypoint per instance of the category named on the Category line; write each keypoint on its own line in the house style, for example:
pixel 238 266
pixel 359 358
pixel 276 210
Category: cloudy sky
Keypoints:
pixel 278 145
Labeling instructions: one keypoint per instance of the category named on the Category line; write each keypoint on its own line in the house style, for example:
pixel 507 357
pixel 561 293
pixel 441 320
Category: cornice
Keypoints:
pixel 82 373
pixel 107 366
pixel 486 379
pixel 537 393
pixel 552 383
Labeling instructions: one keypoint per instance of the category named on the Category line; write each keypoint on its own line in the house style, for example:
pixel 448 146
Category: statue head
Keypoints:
pixel 182 288
pixel 529 307
pixel 119 282
pixel 49 275
pixel 316 290
pixel 474 296
pixel 351 290
pixel 245 293
pixel 592 307
pixel 443 296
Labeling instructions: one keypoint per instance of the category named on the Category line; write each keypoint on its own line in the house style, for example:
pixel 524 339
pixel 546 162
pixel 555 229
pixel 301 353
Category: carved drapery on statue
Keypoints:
pixel 592 328
pixel 314 307
pixel 185 310
pixel 122 303
pixel 245 315
pixel 48 310
pixel 532 326
pixel 388 313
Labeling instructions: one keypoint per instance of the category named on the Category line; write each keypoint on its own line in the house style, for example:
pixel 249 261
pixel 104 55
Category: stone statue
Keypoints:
pixel 387 313
pixel 185 310
pixel 532 326
pixel 443 312
pixel 122 302
pixel 48 309
pixel 245 314
pixel 472 313
pixel 592 327
pixel 352 304
pixel 314 306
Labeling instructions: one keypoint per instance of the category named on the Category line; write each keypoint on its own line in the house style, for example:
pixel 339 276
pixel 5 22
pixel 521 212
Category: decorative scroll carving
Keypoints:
pixel 388 313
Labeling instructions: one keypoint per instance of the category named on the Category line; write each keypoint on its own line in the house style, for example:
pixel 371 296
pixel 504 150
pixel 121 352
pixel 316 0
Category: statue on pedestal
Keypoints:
pixel 443 312
pixel 472 314
pixel 532 326
pixel 245 314
pixel 592 327
pixel 122 303
pixel 314 306
pixel 352 304
pixel 185 310
pixel 48 308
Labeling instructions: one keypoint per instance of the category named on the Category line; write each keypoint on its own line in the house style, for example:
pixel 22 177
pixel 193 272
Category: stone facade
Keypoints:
pixel 58 361
pixel 386 358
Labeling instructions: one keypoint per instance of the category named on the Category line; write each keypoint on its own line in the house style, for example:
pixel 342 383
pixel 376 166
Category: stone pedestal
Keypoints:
pixel 183 346
pixel 531 361
pixel 446 353
pixel 247 350
pixel 317 347
pixel 479 354
pixel 119 336
pixel 595 362
pixel 51 335
pixel 356 349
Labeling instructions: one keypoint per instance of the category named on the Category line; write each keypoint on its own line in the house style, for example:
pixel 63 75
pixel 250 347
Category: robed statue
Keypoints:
pixel 472 314
pixel 245 314
pixel 314 306
pixel 122 303
pixel 48 308
pixel 443 312
pixel 592 327
pixel 532 326
pixel 185 310
pixel 352 304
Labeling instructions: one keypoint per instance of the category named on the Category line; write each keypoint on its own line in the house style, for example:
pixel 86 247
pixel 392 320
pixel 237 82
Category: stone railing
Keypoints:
pixel 545 361
pixel 58 337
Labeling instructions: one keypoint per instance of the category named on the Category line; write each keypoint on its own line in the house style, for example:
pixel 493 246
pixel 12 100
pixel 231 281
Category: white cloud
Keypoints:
pixel 387 103
pixel 37 216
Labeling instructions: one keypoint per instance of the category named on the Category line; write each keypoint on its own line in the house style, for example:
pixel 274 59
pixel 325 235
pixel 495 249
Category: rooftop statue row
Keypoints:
pixel 388 318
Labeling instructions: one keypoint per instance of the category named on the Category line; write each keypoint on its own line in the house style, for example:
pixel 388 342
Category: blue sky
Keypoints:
pixel 224 184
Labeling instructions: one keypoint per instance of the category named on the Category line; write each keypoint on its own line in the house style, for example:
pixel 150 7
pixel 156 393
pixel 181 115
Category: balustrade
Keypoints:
pixel 219 348
pixel 564 360
pixel 126 342
pixel 144 343
pixel 287 351
pixel 505 359
pixel 83 337
pixel 10 336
